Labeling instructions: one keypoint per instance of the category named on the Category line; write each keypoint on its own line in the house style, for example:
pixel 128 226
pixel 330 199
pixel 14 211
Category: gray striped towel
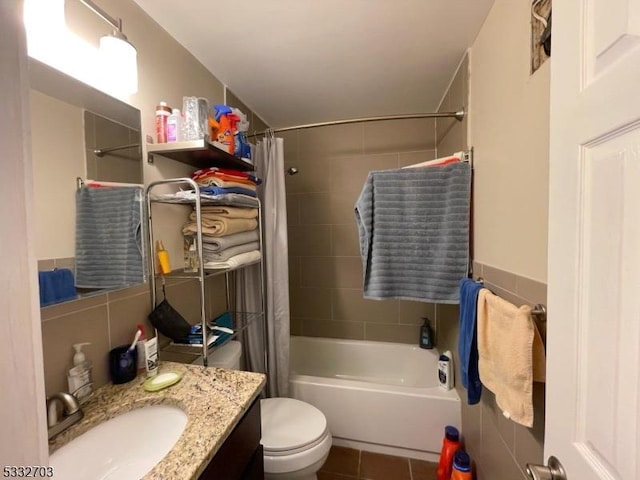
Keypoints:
pixel 414 232
pixel 109 237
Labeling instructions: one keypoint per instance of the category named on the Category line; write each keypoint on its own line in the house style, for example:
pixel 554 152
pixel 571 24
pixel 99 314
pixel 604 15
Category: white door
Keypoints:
pixel 593 386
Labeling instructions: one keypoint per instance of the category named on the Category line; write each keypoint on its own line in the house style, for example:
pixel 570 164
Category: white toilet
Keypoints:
pixel 295 436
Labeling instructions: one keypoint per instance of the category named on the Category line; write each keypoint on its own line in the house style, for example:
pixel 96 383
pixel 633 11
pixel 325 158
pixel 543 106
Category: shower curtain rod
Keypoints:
pixel 459 115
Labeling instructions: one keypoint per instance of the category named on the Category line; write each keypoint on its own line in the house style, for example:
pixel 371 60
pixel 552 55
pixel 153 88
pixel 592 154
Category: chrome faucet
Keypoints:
pixel 71 413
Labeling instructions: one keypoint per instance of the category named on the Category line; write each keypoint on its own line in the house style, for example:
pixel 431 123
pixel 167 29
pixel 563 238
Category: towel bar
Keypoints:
pixel 538 309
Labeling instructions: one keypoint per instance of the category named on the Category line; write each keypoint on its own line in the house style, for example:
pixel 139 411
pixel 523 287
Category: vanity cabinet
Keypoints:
pixel 240 457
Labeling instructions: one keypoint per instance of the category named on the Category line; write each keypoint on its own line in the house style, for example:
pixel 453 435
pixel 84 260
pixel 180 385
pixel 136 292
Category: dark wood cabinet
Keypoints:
pixel 240 457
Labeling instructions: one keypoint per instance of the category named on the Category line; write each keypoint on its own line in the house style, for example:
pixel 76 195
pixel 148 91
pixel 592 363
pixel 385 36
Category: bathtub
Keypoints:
pixel 377 396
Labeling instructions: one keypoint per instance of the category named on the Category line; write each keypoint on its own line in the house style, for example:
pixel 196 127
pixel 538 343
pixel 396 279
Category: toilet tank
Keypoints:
pixel 226 356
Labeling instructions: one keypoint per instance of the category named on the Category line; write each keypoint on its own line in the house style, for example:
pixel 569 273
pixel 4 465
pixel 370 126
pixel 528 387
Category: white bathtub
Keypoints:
pixel 377 396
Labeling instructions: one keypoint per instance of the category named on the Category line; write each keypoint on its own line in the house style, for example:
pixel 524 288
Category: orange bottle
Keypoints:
pixel 461 466
pixel 450 444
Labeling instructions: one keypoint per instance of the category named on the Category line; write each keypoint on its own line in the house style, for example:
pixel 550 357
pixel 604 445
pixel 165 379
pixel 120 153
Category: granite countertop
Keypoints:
pixel 214 399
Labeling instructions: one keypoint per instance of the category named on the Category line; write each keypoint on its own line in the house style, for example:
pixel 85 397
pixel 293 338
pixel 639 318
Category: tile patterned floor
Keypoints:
pixel 349 464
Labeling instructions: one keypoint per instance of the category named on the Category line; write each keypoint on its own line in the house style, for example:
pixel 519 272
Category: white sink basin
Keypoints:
pixel 125 447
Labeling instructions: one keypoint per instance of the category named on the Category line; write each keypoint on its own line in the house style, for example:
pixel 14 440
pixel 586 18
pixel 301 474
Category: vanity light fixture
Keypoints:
pixel 118 55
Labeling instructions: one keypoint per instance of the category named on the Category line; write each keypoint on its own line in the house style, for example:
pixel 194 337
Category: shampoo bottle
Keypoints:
pixel 162 115
pixel 174 126
pixel 79 376
pixel 445 370
pixel 426 335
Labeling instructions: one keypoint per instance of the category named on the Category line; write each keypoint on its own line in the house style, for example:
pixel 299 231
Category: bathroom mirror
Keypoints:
pixel 69 120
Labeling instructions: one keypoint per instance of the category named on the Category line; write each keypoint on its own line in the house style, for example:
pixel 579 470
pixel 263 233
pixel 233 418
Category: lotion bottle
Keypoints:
pixel 79 376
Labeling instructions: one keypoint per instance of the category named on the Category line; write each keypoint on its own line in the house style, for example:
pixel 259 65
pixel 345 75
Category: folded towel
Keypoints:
pixel 220 226
pixel 414 232
pixel 438 162
pixel 225 173
pixel 508 347
pixel 214 244
pixel 223 211
pixel 236 261
pixel 226 254
pixel 219 182
pixel 213 190
pixel 56 286
pixel 188 196
pixel 468 340
pixel 108 237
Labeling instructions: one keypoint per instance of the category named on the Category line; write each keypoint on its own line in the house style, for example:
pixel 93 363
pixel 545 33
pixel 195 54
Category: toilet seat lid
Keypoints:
pixel 289 424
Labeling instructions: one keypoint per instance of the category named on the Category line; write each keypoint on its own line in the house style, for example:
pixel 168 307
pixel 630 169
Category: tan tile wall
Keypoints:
pixel 325 265
pixel 499 447
pixel 108 320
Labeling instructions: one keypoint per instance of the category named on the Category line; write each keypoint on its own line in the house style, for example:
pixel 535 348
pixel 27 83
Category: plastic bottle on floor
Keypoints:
pixel 461 466
pixel 450 444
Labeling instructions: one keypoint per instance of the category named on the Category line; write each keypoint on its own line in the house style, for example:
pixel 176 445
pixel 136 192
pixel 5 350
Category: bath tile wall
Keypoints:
pixel 108 320
pixel 324 260
pixel 499 447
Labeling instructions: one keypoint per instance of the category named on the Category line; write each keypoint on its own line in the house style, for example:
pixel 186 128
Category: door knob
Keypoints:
pixel 552 471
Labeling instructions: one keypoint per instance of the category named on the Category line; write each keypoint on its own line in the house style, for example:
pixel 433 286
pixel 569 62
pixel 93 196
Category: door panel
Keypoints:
pixel 593 350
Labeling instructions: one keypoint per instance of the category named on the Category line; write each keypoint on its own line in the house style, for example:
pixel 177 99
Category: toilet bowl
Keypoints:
pixel 295 437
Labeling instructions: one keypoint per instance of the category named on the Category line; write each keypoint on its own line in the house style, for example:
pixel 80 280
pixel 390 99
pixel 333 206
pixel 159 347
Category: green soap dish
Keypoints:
pixel 162 380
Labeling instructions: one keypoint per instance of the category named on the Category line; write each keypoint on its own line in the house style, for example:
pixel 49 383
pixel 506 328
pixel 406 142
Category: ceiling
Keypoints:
pixel 301 61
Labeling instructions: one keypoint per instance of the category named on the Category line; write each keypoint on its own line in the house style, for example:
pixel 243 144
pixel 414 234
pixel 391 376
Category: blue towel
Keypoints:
pixel 213 190
pixel 414 232
pixel 109 237
pixel 468 339
pixel 56 286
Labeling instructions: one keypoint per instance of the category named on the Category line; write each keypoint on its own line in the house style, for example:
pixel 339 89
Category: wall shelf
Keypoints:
pixel 198 153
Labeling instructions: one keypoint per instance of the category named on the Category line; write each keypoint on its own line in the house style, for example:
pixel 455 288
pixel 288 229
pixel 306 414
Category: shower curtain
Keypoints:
pixel 269 161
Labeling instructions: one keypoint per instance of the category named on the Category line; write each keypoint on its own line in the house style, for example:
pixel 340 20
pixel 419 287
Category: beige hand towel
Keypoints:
pixel 224 211
pixel 507 344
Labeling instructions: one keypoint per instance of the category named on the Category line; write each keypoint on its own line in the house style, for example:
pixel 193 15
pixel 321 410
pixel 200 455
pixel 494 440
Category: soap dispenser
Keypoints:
pixel 426 335
pixel 79 376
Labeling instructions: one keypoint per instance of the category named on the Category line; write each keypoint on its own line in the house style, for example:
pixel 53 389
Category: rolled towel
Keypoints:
pixel 225 211
pixel 226 254
pixel 220 226
pixel 236 261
